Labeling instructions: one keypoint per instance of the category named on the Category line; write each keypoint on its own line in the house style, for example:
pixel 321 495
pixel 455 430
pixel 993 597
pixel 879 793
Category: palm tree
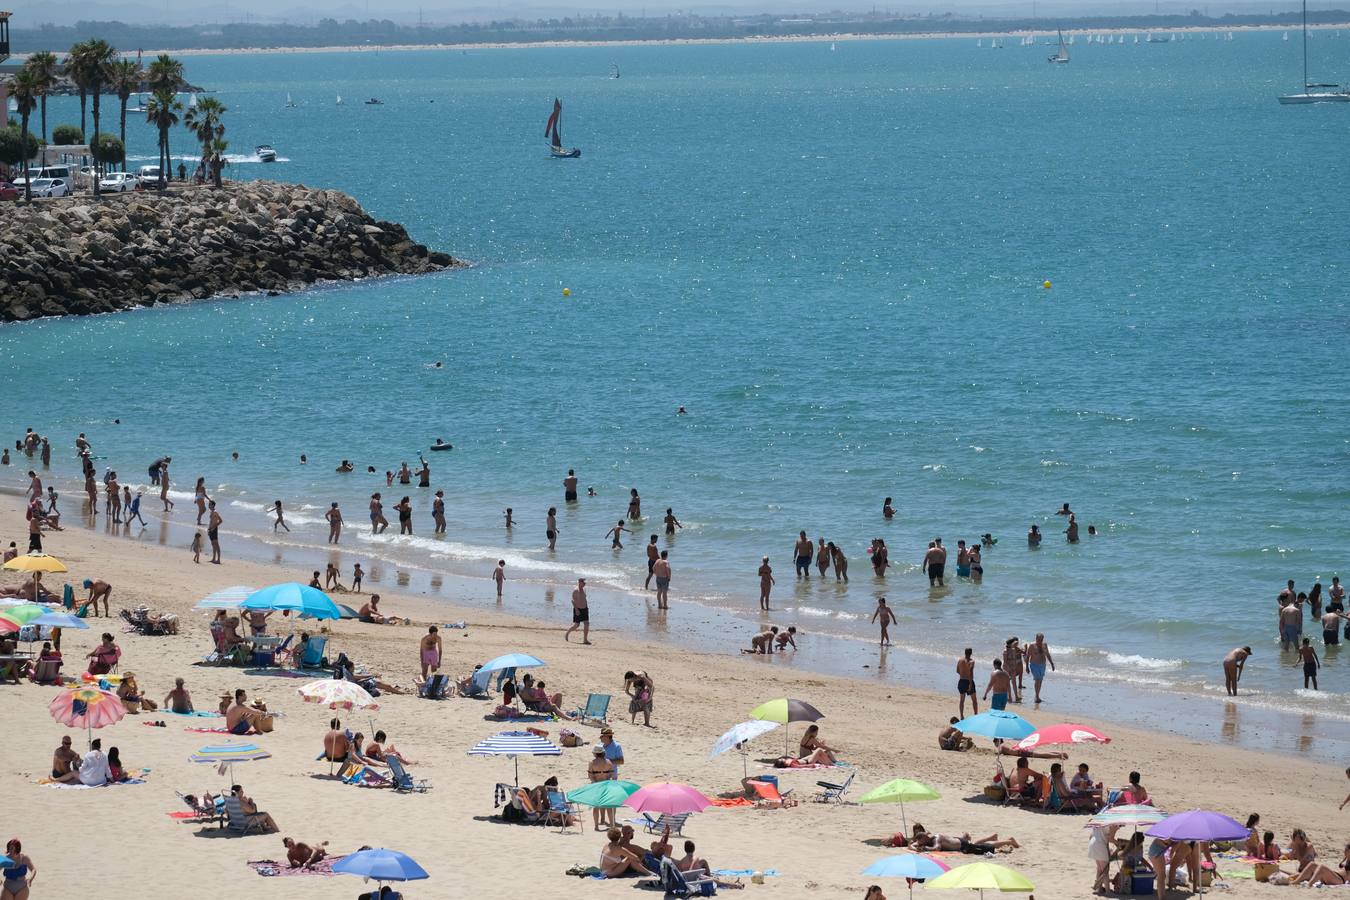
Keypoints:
pixel 25 89
pixel 124 77
pixel 76 67
pixel 97 57
pixel 45 66
pixel 204 121
pixel 165 73
pixel 162 112
pixel 216 157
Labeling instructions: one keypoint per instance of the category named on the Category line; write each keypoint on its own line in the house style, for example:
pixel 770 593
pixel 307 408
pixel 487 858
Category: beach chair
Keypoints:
pixel 657 824
pixel 767 795
pixel 46 671
pixel 239 821
pixel 833 793
pixel 563 810
pixel 597 706
pixel 402 780
pixel 313 655
pixel 205 814
pixel 682 884
pixel 434 687
pixel 478 684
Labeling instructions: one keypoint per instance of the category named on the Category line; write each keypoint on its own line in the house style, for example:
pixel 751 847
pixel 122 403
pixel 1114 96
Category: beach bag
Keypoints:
pixel 569 738
pixel 995 792
pixel 1263 870
pixel 264 724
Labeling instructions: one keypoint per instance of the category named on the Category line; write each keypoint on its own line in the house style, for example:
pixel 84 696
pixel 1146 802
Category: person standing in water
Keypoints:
pixel 281 519
pixel 1233 665
pixel 1012 664
pixel 634 505
pixel 1310 663
pixel 839 561
pixel 653 554
pixel 404 508
pixel 823 558
pixel 1038 655
pixel 199 497
pixel 334 517
pixel 1071 532
pixel 934 562
pixel 378 523
pixel 617 533
pixel 164 484
pixel 499 577
pixel 213 532
pixel 766 583
pixel 552 527
pixel 438 512
pixel 887 617
pixel 662 572
pixel 672 523
pixel 424 473
pixel 887 511
pixel 1034 536
pixel 802 551
pixel 570 487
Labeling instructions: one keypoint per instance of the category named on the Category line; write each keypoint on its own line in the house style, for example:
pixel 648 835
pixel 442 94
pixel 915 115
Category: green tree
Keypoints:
pixel 108 149
pixel 216 159
pixel 76 69
pixel 89 64
pixel 165 73
pixel 204 121
pixel 66 135
pixel 124 77
pixel 45 66
pixel 13 150
pixel 25 89
pixel 162 112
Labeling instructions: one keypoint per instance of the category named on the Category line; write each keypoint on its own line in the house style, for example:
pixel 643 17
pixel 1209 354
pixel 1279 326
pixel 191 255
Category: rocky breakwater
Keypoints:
pixel 75 256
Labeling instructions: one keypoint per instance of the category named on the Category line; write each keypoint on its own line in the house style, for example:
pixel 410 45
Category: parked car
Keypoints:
pixel 50 187
pixel 9 191
pixel 149 175
pixel 62 172
pixel 118 182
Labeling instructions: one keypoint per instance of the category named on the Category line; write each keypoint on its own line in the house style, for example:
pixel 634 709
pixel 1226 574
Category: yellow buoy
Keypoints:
pixel 567 292
pixel 1046 284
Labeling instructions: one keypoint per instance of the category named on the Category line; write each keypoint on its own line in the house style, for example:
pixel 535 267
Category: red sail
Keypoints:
pixel 551 128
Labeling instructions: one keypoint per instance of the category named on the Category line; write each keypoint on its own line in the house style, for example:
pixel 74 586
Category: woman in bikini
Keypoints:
pixel 616 860
pixel 19 875
pixel 811 743
pixel 1316 873
pixel 200 498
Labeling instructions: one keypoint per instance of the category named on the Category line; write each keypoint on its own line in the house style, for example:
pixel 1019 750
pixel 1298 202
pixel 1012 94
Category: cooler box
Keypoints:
pixel 1141 883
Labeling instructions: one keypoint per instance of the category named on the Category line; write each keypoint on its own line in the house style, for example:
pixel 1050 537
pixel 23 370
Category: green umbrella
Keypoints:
pixel 603 794
pixel 898 791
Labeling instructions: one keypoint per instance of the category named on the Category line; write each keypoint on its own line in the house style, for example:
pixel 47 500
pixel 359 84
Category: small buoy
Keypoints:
pixel 567 292
pixel 1046 284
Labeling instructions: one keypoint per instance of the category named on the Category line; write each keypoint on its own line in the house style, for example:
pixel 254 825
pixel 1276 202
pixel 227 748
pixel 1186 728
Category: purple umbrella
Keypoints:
pixel 1198 825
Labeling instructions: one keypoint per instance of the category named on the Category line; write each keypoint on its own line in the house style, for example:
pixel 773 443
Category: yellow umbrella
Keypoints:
pixel 982 876
pixel 35 562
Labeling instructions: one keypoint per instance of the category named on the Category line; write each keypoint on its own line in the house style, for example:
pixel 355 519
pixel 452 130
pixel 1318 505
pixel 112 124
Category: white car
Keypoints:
pixel 118 182
pixel 50 187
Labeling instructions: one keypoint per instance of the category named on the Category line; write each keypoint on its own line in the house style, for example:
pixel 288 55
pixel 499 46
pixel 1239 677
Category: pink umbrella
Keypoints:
pixel 668 798
pixel 87 708
pixel 1062 734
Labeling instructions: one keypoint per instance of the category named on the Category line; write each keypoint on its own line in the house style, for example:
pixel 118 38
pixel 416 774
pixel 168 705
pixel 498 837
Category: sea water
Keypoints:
pixel 834 262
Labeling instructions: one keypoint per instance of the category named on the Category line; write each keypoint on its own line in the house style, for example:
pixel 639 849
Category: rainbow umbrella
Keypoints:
pixel 16 617
pixel 668 798
pixel 982 876
pixel 228 754
pixel 338 694
pixel 87 708
pixel 1126 814
pixel 35 563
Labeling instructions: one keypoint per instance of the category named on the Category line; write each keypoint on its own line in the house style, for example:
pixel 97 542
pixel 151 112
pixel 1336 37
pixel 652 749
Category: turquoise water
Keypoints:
pixel 833 260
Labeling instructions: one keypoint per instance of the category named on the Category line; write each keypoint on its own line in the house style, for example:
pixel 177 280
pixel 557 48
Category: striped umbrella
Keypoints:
pixel 338 694
pixel 226 598
pixel 515 744
pixel 87 708
pixel 228 754
pixel 1126 814
pixel 784 711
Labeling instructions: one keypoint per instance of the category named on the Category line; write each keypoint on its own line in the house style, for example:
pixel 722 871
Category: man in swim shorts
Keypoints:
pixel 934 561
pixel 653 554
pixel 430 647
pixel 804 551
pixel 661 569
pixel 998 684
pixel 965 682
pixel 581 613
pixel 570 487
pixel 1291 625
pixel 1038 654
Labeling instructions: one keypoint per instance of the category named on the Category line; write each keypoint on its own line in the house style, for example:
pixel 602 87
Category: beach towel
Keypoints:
pixel 197 714
pixel 215 730
pixel 745 873
pixel 519 717
pixel 273 868
pixel 280 673
pixel 87 787
pixel 732 802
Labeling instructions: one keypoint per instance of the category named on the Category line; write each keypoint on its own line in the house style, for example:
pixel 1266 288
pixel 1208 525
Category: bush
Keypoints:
pixel 107 148
pixel 67 135
pixel 12 151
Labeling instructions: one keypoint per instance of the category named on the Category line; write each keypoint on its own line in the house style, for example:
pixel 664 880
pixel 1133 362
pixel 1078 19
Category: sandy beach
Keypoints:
pixel 128 842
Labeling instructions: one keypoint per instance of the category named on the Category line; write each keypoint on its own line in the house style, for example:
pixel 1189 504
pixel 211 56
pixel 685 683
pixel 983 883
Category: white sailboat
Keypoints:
pixel 290 104
pixel 1314 93
pixel 1063 55
pixel 339 100
pixel 192 101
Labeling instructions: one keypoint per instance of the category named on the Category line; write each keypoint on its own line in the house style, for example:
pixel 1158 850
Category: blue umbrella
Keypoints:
pixel 513 661
pixel 295 597
pixel 58 620
pixel 382 865
pixel 996 723
pixel 906 865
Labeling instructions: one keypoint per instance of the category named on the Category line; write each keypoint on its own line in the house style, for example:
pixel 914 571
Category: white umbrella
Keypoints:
pixel 515 744
pixel 740 734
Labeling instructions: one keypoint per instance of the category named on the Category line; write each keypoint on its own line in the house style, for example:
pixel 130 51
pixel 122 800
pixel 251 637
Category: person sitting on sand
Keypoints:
pixel 1267 850
pixel 63 763
pixel 303 856
pixel 116 771
pixel 1253 843
pixel 811 743
pixel 241 719
pixel 229 634
pixel 1132 860
pixel 922 839
pixel 104 656
pixel 179 700
pixel 1300 849
pixel 951 738
pixel 130 694
pixel 616 861
pixel 762 642
pixel 251 812
pixel 1315 873
pixel 1025 782
pixel 335 742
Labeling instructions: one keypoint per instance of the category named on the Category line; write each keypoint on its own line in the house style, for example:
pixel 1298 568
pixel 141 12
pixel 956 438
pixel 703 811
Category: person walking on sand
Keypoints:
pixel 661 569
pixel 766 583
pixel 499 577
pixel 378 523
pixel 1310 663
pixel 429 651
pixel 581 613
pixel 570 487
pixel 1233 665
pixel 334 517
pixel 134 509
pixel 839 561
pixel 965 683
pixel 1038 654
pixel 281 519
pixel 552 526
pixel 164 485
pixel 357 575
pixel 199 497
pixel 887 617
pixel 802 552
pixel 438 512
pixel 999 684
pixel 213 531
pixel 617 533
pixel 196 547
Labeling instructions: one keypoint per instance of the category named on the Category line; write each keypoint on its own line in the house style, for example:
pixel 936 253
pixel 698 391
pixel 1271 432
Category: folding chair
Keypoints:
pixel 833 793
pixel 239 821
pixel 313 655
pixel 597 707
pixel 402 780
pixel 683 884
pixel 562 809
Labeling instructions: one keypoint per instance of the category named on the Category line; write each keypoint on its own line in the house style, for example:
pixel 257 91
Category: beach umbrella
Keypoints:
pixel 295 597
pixel 603 794
pixel 338 694
pixel 914 866
pixel 784 711
pixel 226 598
pixel 87 708
pixel 381 865
pixel 1062 734
pixel 513 661
pixel 35 563
pixel 16 617
pixel 738 735
pixel 996 723
pixel 228 754
pixel 667 798
pixel 898 791
pixel 344 612
pixel 982 876
pixel 57 619
pixel 1126 814
pixel 515 744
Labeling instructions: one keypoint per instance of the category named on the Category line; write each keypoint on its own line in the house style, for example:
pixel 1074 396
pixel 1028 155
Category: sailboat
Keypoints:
pixel 553 131
pixel 1314 93
pixel 339 100
pixel 613 70
pixel 1063 55
pixel 192 101
pixel 290 104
